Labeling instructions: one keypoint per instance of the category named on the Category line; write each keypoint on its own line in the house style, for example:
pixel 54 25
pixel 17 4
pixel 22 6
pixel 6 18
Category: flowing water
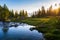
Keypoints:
pixel 20 32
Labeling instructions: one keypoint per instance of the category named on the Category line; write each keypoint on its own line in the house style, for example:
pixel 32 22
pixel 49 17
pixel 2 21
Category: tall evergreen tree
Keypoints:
pixel 39 13
pixel 50 11
pixel 16 14
pixel 11 15
pixel 43 14
pixel 26 14
pixel 5 13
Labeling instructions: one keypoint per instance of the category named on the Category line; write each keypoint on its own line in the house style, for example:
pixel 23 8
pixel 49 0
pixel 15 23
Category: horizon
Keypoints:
pixel 28 5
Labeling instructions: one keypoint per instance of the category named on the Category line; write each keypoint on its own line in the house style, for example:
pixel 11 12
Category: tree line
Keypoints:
pixel 6 14
pixel 47 13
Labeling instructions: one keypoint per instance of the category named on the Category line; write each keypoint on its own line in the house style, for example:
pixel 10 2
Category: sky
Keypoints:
pixel 28 5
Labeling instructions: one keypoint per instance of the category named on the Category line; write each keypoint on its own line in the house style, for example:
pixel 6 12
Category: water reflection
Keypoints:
pixel 17 31
pixel 5 30
pixel 5 27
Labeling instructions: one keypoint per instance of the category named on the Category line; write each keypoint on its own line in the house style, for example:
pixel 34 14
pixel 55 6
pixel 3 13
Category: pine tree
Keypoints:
pixel 16 14
pixel 43 14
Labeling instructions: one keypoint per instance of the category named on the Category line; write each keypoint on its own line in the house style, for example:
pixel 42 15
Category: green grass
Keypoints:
pixel 35 21
pixel 48 26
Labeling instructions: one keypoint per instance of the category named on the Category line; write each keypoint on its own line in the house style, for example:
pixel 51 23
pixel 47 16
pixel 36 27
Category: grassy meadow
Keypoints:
pixel 48 26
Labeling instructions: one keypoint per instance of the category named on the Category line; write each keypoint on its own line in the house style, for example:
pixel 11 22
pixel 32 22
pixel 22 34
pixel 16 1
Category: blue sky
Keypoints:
pixel 28 5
